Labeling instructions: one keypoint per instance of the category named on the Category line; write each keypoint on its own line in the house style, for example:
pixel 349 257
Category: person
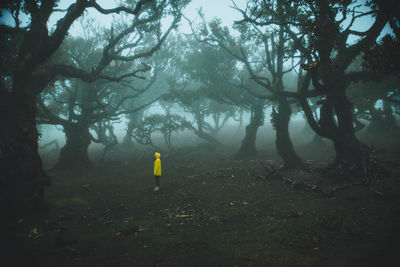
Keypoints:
pixel 157 171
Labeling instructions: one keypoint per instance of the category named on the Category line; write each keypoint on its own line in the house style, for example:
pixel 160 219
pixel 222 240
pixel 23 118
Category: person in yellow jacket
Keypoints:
pixel 157 170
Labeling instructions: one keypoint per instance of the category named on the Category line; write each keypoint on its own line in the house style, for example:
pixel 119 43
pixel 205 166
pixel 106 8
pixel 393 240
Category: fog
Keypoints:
pixel 199 132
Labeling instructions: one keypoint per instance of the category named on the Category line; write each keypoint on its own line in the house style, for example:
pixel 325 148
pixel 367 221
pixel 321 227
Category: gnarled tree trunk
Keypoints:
pixel 75 151
pixel 248 145
pixel 348 149
pixel 22 175
pixel 283 143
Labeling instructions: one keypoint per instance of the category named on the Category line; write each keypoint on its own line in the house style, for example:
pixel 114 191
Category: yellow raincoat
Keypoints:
pixel 157 165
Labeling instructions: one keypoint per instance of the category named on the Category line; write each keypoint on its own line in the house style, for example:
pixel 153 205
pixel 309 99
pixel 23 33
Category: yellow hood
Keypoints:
pixel 158 155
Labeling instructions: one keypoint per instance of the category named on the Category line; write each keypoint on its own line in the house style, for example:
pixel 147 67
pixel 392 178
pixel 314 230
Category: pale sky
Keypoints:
pixel 212 8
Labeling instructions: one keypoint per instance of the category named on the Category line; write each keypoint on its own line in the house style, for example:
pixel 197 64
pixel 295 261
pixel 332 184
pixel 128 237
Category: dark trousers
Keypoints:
pixel 157 179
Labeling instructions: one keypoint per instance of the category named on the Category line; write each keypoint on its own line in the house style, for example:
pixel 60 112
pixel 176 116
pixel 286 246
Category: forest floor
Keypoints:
pixel 212 210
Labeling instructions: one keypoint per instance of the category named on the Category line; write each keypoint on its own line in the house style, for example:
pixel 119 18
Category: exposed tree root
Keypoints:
pixel 370 171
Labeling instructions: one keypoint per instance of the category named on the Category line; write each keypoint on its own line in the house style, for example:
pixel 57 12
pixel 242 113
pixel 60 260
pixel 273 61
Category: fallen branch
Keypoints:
pixel 272 172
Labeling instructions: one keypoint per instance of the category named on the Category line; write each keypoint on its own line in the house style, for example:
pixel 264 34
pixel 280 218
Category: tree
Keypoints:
pixel 158 82
pixel 28 70
pixel 329 43
pixel 78 106
pixel 373 101
pixel 212 68
pixel 105 135
pixel 248 146
pixel 135 120
pixel 195 103
pixel 158 123
pixel 188 80
pixel 263 53
pixel 321 37
pixel 221 81
pixel 232 88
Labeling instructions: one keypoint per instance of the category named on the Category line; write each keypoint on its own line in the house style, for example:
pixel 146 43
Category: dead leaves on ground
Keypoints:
pixel 131 231
pixel 34 233
pixel 179 213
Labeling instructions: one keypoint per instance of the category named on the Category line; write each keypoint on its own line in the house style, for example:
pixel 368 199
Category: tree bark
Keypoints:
pixel 348 149
pixel 75 151
pixel 248 146
pixel 22 175
pixel 109 141
pixel 283 143
pixel 128 136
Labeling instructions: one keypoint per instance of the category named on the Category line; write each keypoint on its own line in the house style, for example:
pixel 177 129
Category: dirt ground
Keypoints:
pixel 212 210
